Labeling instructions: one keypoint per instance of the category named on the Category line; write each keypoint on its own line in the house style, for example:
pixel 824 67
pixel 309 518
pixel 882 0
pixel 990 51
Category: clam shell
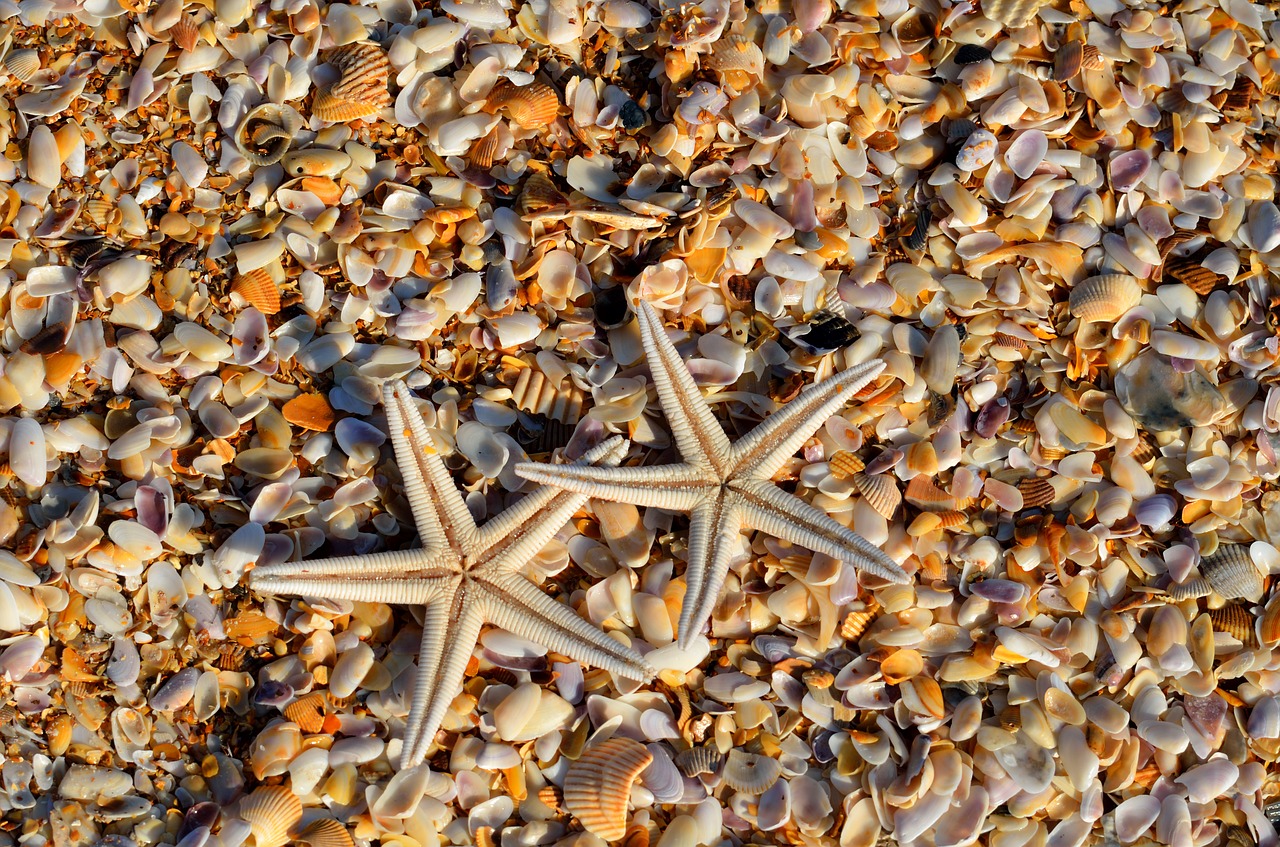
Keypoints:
pixel 1231 572
pixel 924 494
pixel 1236 621
pixel 531 106
pixel 597 787
pixel 736 53
pixel 880 491
pixel 331 108
pixel 1193 274
pixel 260 288
pixel 846 465
pixel 23 64
pixel 901 666
pixel 1011 13
pixel 307 711
pixel 271 812
pixel 750 773
pixel 365 70
pixel 941 359
pixel 185 33
pixel 697 761
pixel 1104 298
pixel 309 411
pixel 325 832
pixel 1036 491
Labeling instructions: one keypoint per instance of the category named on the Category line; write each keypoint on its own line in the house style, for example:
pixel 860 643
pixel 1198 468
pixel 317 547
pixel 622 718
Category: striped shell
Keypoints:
pixel 336 110
pixel 260 289
pixel 485 150
pixel 271 812
pixel 750 773
pixel 1067 60
pixel 307 711
pixel 1036 491
pixel 185 33
pixel 1011 13
pixel 22 63
pixel 880 491
pixel 1236 621
pixel 531 106
pixel 597 787
pixel 1193 274
pixel 736 53
pixel 325 832
pixel 846 465
pixel 697 761
pixel 1104 298
pixel 856 622
pixel 1230 572
pixel 365 71
pixel 927 496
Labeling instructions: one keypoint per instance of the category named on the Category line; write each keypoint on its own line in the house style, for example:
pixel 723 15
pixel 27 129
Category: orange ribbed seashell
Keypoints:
pixel 924 494
pixel 271 813
pixel 531 106
pixel 185 33
pixel 485 150
pixel 1236 621
pixel 844 465
pixel 365 71
pixel 1036 491
pixel 597 787
pixel 260 288
pixel 307 711
pixel 880 491
pixel 325 832
pixel 333 109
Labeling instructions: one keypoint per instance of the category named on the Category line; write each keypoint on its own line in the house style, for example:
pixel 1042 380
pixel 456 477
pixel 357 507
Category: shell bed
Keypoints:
pixel 225 225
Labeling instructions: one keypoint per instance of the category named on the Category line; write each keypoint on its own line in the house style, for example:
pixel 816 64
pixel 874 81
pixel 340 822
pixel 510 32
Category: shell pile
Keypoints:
pixel 224 224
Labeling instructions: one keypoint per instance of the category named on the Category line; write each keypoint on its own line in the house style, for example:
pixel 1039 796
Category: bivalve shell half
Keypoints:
pixel 880 491
pixel 1011 13
pixel 365 70
pixel 333 109
pixel 750 773
pixel 1104 298
pixel 260 288
pixel 325 832
pixel 271 813
pixel 697 761
pixel 310 411
pixel 1236 621
pixel 597 787
pixel 23 64
pixel 531 106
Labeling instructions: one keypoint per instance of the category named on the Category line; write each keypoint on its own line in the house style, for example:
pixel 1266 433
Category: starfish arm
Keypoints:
pixel 698 434
pixel 761 452
pixel 770 509
pixel 518 533
pixel 356 588
pixel 519 606
pixel 676 488
pixel 419 459
pixel 715 533
pixel 450 629
pixel 371 566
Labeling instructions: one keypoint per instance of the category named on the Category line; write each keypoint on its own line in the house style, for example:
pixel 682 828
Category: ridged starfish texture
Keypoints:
pixel 464 575
pixel 726 487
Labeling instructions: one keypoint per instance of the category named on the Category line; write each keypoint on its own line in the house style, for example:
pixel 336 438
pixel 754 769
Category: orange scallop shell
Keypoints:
pixel 271 812
pixel 597 787
pixel 531 106
pixel 307 711
pixel 880 491
pixel 365 71
pixel 925 495
pixel 260 289
pixel 333 109
pixel 325 832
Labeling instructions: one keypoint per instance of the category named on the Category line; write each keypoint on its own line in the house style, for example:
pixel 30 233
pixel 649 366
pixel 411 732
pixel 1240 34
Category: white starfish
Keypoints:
pixel 726 487
pixel 465 576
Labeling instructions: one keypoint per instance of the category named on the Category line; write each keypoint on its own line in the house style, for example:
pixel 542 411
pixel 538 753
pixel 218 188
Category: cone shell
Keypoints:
pixel 1236 621
pixel 325 832
pixel 309 411
pixel 1036 491
pixel 365 70
pixel 1104 298
pixel 597 787
pixel 699 760
pixel 22 63
pixel 260 288
pixel 1011 13
pixel 531 106
pixel 333 109
pixel 750 773
pixel 271 813
pixel 307 711
pixel 881 492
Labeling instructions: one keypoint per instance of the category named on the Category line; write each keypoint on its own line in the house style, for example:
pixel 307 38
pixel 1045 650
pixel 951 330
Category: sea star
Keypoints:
pixel 464 575
pixel 725 487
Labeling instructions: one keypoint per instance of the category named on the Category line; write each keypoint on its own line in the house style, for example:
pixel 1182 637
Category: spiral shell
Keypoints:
pixel 750 773
pixel 271 812
pixel 597 787
pixel 531 106
pixel 267 132
pixel 1104 298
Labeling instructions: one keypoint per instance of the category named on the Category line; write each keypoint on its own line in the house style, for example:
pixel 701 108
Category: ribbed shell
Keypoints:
pixel 1036 492
pixel 1104 298
pixel 697 761
pixel 1011 13
pixel 22 63
pixel 846 465
pixel 736 53
pixel 365 70
pixel 1067 60
pixel 185 33
pixel 539 193
pixel 856 622
pixel 485 150
pixel 333 109
pixel 1193 274
pixel 325 832
pixel 1236 621
pixel 307 711
pixel 880 491
pixel 924 494
pixel 260 289
pixel 271 812
pixel 1229 571
pixel 750 773
pixel 531 106
pixel 597 787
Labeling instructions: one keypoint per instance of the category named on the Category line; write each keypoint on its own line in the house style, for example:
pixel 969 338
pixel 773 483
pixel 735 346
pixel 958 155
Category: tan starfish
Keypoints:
pixel 726 487
pixel 463 575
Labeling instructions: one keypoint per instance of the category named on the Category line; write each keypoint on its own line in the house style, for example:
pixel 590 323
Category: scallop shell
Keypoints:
pixel 307 711
pixel 750 773
pixel 1091 58
pixel 1235 620
pixel 271 812
pixel 1011 13
pixel 697 761
pixel 1104 298
pixel 23 64
pixel 597 787
pixel 260 288
pixel 531 106
pixel 846 465
pixel 736 53
pixel 539 193
pixel 1193 274
pixel 185 33
pixel 309 411
pixel 1230 572
pixel 336 110
pixel 325 832
pixel 880 491
pixel 927 496
pixel 1036 491
pixel 485 150
pixel 365 70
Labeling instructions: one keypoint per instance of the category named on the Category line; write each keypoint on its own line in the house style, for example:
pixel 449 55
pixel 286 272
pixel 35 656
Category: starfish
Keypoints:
pixel 464 576
pixel 726 487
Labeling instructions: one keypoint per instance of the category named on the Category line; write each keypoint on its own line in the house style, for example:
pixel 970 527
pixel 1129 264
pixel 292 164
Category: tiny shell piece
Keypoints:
pixel 1011 13
pixel 597 787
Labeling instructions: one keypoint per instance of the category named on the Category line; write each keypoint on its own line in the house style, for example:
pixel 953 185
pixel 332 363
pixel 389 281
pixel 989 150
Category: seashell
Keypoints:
pixel 750 773
pixel 846 465
pixel 532 106
pixel 1036 491
pixel 365 70
pixel 332 109
pixel 880 491
pixel 597 787
pixel 736 54
pixel 1067 60
pixel 325 832
pixel 23 64
pixel 309 411
pixel 1162 398
pixel 970 54
pixel 924 494
pixel 1230 572
pixel 1011 13
pixel 1191 273
pixel 941 359
pixel 697 761
pixel 1236 621
pixel 260 288
pixel 1104 298
pixel 271 813
pixel 856 622
pixel 267 132
pixel 185 32
pixel 307 711
pixel 901 666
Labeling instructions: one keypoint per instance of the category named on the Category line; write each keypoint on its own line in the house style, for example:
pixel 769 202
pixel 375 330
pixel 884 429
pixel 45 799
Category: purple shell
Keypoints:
pixel 1128 169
